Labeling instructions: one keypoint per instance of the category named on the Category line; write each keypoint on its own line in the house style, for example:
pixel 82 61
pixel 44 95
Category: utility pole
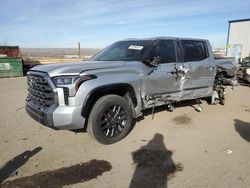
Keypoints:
pixel 79 49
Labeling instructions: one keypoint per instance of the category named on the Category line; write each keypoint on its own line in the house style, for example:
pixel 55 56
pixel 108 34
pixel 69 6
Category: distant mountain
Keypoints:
pixel 56 52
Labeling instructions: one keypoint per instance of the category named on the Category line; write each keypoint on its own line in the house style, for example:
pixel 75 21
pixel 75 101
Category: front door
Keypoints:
pixel 161 80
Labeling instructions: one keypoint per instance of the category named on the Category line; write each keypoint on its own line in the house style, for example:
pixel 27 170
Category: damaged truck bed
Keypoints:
pixel 129 76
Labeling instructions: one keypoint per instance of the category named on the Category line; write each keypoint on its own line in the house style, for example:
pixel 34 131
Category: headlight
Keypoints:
pixel 64 80
pixel 72 80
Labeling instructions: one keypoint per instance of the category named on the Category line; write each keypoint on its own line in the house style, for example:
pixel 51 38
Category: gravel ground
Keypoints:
pixel 184 148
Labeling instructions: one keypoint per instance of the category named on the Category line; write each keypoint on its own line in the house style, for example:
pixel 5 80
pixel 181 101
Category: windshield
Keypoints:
pixel 246 62
pixel 123 51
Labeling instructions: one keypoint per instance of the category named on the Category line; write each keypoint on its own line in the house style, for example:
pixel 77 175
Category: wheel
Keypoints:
pixel 110 119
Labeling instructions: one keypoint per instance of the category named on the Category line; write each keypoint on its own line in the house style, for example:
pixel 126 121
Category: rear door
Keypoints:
pixel 201 69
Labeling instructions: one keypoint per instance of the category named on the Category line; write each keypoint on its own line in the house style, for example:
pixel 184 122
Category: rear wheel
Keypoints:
pixel 110 119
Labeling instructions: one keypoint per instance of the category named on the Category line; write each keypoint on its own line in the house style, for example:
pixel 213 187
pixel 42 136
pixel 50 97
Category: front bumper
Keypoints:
pixel 58 117
pixel 46 104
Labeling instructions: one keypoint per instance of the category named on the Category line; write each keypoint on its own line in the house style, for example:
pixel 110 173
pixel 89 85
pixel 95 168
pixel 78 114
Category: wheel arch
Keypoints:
pixel 122 89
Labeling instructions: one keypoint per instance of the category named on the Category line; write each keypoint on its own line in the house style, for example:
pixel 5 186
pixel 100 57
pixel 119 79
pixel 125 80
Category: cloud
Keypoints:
pixel 57 22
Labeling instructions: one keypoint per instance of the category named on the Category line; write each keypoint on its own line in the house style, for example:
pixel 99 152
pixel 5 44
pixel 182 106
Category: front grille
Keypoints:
pixel 40 93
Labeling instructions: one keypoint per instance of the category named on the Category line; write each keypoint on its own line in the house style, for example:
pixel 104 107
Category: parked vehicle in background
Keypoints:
pixel 244 70
pixel 121 81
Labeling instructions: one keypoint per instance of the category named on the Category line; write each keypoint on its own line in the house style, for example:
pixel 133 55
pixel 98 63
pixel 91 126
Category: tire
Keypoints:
pixel 110 119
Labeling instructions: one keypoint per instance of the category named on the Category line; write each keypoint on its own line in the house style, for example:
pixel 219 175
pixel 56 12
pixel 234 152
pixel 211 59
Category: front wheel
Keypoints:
pixel 110 119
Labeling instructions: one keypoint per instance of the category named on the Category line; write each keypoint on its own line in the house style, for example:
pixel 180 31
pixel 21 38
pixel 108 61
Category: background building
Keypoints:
pixel 238 41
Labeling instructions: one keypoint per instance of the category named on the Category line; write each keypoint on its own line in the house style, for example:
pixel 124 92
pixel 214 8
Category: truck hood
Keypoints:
pixel 58 69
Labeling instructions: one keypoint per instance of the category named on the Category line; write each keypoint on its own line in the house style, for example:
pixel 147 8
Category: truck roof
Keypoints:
pixel 162 38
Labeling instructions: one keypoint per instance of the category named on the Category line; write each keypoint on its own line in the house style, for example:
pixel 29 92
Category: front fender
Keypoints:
pixel 91 88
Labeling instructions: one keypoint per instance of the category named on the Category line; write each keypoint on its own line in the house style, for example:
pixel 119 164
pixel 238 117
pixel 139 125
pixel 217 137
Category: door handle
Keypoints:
pixel 172 72
pixel 210 68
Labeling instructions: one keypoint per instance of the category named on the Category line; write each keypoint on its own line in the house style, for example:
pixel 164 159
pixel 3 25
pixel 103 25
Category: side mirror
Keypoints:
pixel 155 61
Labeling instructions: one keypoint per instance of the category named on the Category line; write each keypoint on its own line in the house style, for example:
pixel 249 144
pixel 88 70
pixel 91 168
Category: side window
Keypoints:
pixel 194 50
pixel 165 51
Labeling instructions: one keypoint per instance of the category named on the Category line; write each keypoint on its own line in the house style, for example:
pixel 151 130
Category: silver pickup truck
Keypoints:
pixel 106 93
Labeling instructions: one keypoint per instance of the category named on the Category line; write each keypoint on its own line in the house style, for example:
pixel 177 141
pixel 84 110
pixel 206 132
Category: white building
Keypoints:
pixel 238 39
pixel 71 56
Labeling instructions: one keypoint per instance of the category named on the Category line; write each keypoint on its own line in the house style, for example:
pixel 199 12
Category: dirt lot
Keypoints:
pixel 184 148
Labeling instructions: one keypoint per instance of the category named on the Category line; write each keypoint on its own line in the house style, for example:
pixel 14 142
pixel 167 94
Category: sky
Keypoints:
pixel 97 23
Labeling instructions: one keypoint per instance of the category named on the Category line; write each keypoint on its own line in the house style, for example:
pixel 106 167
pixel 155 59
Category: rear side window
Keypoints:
pixel 165 50
pixel 194 50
